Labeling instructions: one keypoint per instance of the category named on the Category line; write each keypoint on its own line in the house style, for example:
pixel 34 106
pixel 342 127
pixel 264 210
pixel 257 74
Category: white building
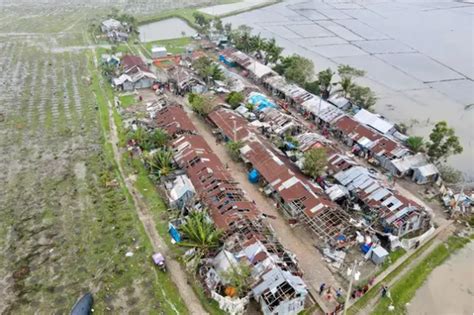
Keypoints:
pixel 158 52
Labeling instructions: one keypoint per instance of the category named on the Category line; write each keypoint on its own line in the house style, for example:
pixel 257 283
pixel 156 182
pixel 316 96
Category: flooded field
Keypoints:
pixel 420 66
pixel 223 9
pixel 165 29
pixel 449 289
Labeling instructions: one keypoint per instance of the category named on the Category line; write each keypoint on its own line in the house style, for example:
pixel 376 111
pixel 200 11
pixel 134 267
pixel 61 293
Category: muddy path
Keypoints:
pixel 177 274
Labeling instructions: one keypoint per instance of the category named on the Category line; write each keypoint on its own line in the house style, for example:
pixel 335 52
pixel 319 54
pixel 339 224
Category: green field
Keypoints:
pixel 174 46
pixel 67 220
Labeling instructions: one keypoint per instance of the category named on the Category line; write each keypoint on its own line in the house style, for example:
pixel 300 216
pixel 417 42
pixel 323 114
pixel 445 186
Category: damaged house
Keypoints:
pixel 135 75
pixel 115 30
pixel 299 198
pixel 385 207
pixel 247 241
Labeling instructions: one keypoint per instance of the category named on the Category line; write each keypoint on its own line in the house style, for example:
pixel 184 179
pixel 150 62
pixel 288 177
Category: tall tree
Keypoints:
pixel 348 71
pixel 346 85
pixel 315 160
pixel 228 28
pixel 201 20
pixel 362 96
pixel 207 69
pixel 218 25
pixel 443 142
pixel 347 74
pixel 272 51
pixel 296 69
pixel 325 82
pixel 200 104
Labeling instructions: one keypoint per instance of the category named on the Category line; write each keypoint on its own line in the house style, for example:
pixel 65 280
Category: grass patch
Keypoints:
pixel 174 46
pixel 404 290
pixel 392 258
pixel 127 100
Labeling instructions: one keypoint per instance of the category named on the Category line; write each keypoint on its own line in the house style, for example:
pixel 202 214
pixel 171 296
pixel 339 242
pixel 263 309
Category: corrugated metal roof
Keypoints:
pixel 374 121
pixel 379 194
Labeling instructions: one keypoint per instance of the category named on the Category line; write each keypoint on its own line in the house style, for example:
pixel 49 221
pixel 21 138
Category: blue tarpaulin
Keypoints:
pixel 254 176
pixel 365 248
pixel 174 233
pixel 290 146
pixel 261 102
pixel 226 61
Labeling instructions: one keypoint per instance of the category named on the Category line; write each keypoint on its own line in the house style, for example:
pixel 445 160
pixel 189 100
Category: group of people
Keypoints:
pixel 328 295
pixel 358 292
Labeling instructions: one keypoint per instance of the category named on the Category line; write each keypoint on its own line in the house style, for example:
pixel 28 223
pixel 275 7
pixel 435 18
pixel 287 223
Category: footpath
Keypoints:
pixel 176 272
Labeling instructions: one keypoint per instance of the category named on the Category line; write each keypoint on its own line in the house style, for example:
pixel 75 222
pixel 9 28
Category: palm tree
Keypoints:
pixel 346 85
pixel 200 233
pixel 272 51
pixel 325 79
pixel 160 162
pixel 158 138
pixel 138 135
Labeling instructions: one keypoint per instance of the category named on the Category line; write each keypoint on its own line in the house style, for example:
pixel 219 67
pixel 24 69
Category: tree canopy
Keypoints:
pixel 315 161
pixel 415 143
pixel 200 104
pixel 202 21
pixel 359 95
pixel 443 142
pixel 296 69
pixel 207 69
pixel 362 96
pixel 234 149
pixel 234 99
pixel 325 82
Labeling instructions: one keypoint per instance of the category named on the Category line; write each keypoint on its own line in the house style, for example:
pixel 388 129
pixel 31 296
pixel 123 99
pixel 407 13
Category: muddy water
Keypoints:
pixel 421 69
pixel 165 29
pixel 449 289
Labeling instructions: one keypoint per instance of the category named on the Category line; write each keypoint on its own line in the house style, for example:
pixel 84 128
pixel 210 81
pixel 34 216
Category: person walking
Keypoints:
pixel 321 288
pixel 384 290
pixel 338 293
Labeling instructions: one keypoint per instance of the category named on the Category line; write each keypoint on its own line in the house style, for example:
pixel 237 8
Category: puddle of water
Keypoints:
pixel 165 29
pixel 449 289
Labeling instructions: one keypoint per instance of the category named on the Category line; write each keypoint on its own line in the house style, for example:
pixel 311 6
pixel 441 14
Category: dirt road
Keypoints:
pixel 178 275
pixel 298 240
